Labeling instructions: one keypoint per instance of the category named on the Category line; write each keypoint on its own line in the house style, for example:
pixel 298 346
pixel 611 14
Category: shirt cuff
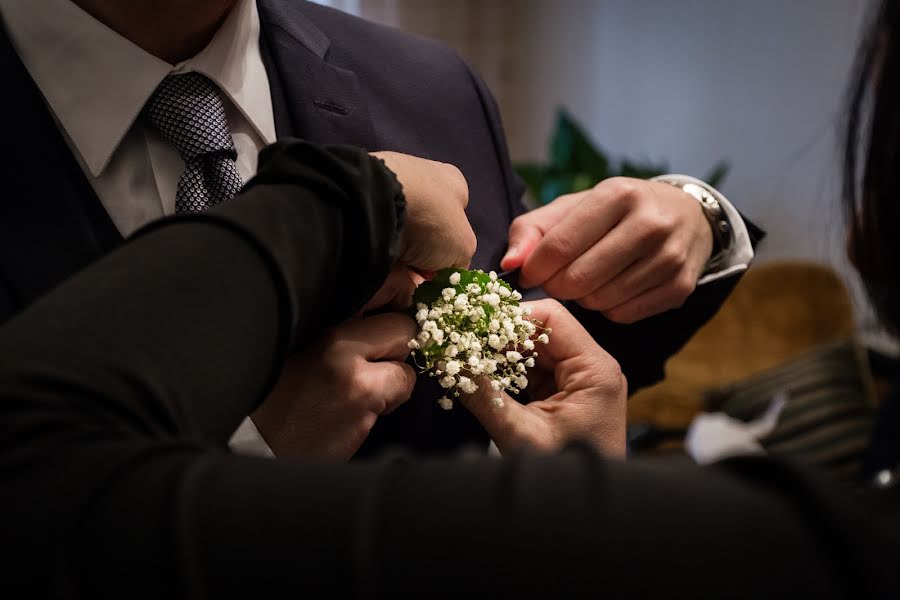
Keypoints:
pixel 737 258
pixel 248 441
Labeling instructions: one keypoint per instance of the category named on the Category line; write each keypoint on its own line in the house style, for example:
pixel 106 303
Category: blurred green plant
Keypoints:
pixel 577 164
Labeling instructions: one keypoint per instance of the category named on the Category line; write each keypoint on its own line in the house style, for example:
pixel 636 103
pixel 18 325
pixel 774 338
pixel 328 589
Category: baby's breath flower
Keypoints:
pixel 467 386
pixel 471 326
pixel 544 338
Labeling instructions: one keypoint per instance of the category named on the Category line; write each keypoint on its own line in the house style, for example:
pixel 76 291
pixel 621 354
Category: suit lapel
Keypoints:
pixel 311 97
pixel 51 221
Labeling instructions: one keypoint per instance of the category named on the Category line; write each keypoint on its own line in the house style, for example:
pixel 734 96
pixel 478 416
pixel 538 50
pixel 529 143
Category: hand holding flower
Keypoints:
pixel 329 396
pixel 578 389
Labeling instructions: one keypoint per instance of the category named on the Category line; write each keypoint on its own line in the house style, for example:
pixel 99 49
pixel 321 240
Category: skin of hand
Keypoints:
pixel 627 248
pixel 437 233
pixel 578 391
pixel 330 395
pixel 395 293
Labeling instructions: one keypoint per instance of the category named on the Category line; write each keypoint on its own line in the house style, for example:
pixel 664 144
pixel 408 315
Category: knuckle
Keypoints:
pixel 673 259
pixel 471 243
pixel 558 248
pixel 553 307
pixel 578 281
pixel 456 182
pixel 334 353
pixel 624 189
pixel 655 226
pixel 592 302
pixel 519 224
pixel 360 382
pixel 683 286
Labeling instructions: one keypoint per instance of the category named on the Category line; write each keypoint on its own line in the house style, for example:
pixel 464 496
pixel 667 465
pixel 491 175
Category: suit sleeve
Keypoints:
pixel 118 390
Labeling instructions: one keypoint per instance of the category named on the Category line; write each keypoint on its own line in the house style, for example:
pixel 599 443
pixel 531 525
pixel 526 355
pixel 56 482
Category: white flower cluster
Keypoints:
pixel 475 328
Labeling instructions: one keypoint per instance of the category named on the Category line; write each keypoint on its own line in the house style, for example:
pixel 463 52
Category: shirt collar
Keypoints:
pixel 97 82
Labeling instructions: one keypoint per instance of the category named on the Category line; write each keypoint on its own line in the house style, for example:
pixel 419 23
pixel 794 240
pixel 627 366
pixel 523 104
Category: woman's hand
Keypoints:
pixel 578 389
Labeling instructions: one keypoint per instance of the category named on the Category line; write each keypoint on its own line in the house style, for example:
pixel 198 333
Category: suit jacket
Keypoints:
pixel 334 79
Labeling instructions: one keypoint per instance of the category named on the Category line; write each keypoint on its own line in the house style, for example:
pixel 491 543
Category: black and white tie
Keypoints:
pixel 189 112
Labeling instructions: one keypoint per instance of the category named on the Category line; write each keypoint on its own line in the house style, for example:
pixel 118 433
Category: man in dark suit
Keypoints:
pixel 122 112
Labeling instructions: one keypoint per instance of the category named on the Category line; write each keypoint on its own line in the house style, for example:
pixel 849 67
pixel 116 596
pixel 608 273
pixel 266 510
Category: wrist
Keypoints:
pixel 716 217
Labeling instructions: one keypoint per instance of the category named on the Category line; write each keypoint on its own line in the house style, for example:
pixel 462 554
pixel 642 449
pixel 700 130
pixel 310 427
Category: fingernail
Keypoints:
pixel 510 254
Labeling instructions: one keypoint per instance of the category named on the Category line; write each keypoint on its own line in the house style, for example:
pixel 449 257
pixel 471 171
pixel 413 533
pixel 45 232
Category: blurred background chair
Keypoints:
pixel 787 328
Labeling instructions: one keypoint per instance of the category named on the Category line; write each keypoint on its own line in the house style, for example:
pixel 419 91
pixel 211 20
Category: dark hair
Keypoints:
pixel 871 186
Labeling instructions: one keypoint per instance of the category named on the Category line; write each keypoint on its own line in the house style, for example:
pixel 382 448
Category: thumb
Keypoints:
pixel 524 235
pixel 502 422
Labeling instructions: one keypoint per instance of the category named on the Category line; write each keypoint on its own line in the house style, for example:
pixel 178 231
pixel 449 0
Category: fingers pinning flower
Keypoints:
pixel 471 330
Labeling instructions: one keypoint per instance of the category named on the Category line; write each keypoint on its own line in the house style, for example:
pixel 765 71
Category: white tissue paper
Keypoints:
pixel 715 436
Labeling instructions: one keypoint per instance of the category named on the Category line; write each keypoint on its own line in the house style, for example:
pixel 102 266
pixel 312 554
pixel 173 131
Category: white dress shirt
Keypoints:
pixel 96 83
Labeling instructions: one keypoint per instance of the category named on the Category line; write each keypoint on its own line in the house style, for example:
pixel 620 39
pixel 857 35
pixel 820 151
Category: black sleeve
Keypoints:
pixel 117 391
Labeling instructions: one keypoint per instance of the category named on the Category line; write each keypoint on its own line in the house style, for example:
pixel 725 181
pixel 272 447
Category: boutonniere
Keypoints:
pixel 473 332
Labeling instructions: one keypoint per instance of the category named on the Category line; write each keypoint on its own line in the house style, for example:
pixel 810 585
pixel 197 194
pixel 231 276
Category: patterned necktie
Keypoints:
pixel 189 112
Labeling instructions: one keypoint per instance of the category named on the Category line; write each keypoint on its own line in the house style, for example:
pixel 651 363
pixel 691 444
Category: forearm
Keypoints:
pixel 164 346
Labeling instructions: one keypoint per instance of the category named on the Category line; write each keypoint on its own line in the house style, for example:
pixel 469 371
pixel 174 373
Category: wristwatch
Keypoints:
pixel 723 235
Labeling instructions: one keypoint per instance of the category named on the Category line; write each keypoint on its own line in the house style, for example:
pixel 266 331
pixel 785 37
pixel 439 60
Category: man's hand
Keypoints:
pixel 329 397
pixel 395 293
pixel 578 389
pixel 628 248
pixel 437 234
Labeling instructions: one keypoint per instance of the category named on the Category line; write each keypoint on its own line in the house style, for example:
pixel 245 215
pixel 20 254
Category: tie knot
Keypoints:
pixel 188 110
